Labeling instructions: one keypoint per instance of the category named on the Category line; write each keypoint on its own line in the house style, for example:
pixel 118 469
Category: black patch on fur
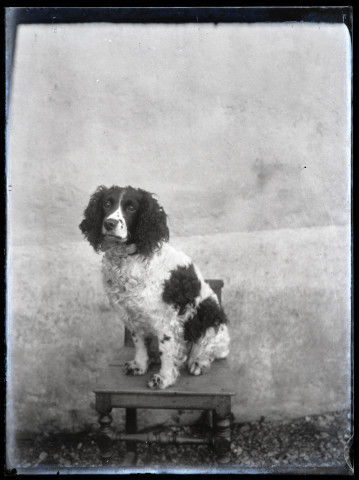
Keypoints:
pixel 181 288
pixel 91 226
pixel 165 338
pixel 209 314
pixel 150 229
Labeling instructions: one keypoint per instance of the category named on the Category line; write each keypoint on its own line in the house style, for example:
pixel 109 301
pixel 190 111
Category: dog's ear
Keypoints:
pixel 91 226
pixel 151 228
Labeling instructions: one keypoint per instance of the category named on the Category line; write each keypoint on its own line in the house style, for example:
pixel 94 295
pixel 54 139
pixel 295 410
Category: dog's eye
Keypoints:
pixel 107 204
pixel 131 208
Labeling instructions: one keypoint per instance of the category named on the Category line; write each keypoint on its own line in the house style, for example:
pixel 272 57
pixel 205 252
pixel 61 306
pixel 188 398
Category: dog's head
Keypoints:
pixel 124 215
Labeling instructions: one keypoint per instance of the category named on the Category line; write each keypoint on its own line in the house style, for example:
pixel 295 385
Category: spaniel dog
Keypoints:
pixel 156 289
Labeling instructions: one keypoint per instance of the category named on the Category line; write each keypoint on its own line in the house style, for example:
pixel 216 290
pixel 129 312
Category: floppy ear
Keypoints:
pixel 91 226
pixel 151 230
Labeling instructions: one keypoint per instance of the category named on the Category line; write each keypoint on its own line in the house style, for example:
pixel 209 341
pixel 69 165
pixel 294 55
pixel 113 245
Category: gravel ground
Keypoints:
pixel 317 441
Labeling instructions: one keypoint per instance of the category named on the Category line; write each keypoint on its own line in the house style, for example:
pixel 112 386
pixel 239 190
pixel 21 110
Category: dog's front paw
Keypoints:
pixel 198 367
pixel 133 368
pixel 157 382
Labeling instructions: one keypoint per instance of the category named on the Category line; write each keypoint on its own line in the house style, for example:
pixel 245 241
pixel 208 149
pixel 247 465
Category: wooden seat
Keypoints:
pixel 211 392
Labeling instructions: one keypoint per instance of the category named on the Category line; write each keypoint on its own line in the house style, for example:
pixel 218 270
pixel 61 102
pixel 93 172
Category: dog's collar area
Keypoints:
pixel 119 249
pixel 131 249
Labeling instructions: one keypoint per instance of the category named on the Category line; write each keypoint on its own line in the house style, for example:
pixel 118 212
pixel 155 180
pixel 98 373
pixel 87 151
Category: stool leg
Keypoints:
pixel 131 427
pixel 222 435
pixel 205 419
pixel 104 439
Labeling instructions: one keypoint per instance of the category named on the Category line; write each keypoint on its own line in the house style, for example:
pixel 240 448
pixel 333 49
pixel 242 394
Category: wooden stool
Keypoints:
pixel 211 391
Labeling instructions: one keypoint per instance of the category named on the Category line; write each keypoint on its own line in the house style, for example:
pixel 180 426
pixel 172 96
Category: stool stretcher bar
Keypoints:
pixel 163 438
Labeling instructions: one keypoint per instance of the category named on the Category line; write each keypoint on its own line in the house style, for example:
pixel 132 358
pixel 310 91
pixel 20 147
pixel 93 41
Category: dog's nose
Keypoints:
pixel 110 224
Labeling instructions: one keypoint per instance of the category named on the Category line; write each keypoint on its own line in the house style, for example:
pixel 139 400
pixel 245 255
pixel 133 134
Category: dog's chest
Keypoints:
pixel 134 286
pixel 124 280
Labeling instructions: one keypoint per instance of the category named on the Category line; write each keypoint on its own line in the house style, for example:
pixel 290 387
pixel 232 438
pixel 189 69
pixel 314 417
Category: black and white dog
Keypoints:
pixel 156 289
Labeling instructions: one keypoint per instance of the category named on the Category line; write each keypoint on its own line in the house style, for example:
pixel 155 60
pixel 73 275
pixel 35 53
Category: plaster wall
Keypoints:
pixel 243 132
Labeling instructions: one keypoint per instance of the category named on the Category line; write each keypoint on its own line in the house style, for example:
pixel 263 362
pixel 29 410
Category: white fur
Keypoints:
pixel 134 286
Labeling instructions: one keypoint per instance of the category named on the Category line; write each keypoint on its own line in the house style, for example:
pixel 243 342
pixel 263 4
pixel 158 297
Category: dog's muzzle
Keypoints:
pixel 110 224
pixel 115 227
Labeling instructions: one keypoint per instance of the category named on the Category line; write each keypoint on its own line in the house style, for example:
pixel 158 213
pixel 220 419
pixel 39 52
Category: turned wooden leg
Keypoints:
pixel 222 433
pixel 131 427
pixel 105 436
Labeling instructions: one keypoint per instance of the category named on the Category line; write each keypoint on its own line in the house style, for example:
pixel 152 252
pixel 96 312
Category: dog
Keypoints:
pixel 156 289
